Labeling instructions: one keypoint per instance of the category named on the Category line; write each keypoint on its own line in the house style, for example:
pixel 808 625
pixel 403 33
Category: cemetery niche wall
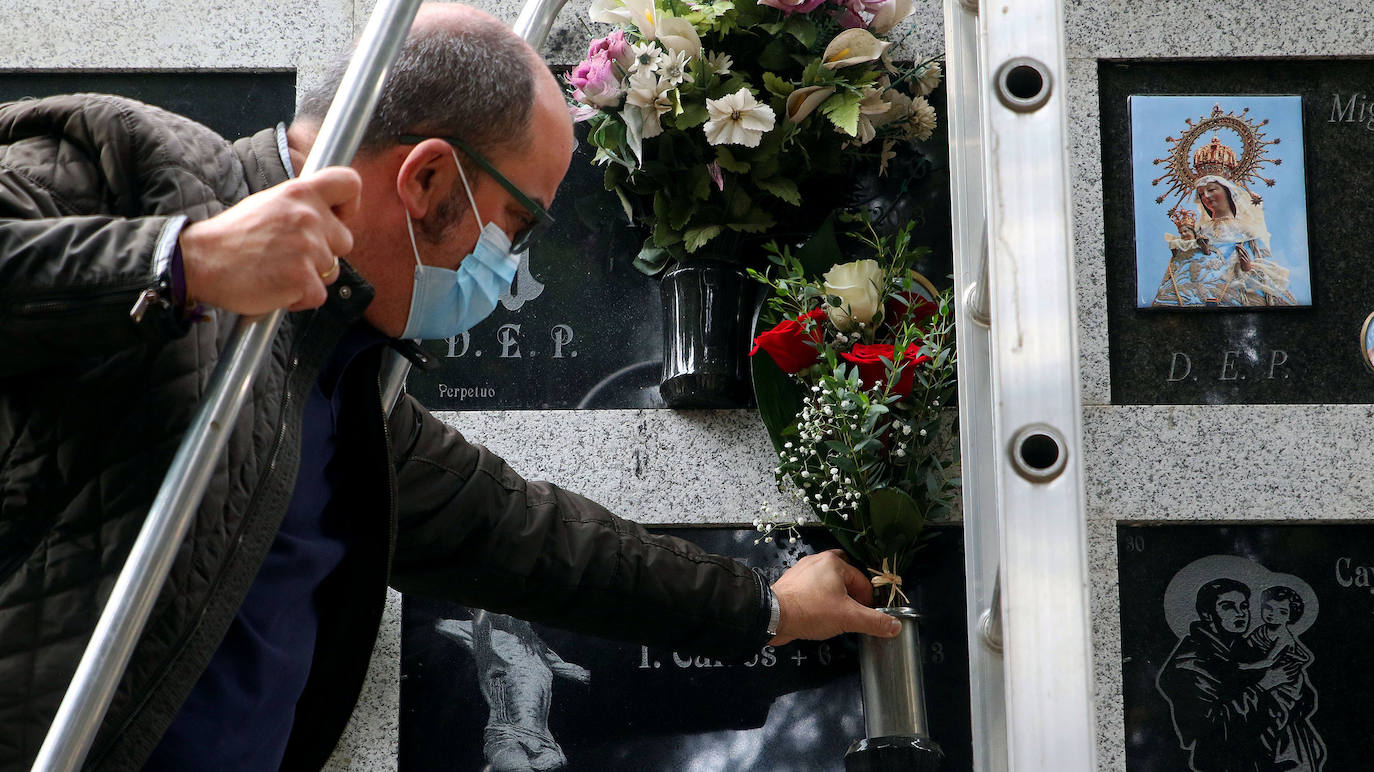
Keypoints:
pixel 480 688
pixel 1234 197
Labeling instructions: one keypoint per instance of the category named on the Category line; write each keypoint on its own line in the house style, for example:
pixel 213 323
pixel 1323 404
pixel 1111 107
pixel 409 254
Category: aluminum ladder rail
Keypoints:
pixel 1024 529
pixel 145 571
pixel 532 25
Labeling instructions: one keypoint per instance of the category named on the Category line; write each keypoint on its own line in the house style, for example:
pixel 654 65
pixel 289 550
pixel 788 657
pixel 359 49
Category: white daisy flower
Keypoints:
pixel 719 63
pixel 737 119
pixel 674 66
pixel 645 57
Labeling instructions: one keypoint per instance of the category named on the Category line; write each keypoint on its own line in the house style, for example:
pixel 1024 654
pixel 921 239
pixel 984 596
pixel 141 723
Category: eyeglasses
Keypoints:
pixel 520 242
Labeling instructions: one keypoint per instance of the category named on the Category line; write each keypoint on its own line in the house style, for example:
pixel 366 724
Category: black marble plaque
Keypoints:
pixel 234 104
pixel 1243 646
pixel 1300 354
pixel 581 327
pixel 615 706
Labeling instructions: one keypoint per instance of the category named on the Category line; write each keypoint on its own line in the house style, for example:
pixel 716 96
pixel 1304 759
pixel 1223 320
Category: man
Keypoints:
pixel 129 238
pixel 1220 709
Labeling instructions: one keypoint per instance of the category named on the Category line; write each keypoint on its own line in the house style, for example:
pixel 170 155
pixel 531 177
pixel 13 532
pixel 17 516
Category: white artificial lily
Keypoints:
pixel 737 119
pixel 610 12
pixel 803 101
pixel 853 46
pixel 678 35
pixel 889 15
pixel 638 13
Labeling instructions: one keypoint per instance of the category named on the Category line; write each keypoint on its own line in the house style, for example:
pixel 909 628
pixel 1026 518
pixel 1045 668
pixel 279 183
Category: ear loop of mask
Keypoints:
pixel 414 248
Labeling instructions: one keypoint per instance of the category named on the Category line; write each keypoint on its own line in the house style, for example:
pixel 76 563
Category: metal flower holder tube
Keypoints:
pixel 894 703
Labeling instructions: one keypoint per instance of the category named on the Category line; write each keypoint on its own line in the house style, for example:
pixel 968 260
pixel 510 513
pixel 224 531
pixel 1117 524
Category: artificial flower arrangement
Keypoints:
pixel 720 118
pixel 850 381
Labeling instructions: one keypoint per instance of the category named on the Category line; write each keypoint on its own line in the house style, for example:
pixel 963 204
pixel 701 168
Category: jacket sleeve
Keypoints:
pixel 67 284
pixel 471 529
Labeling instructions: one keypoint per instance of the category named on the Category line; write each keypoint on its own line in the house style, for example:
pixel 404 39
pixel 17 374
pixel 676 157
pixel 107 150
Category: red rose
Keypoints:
pixel 868 357
pixel 790 344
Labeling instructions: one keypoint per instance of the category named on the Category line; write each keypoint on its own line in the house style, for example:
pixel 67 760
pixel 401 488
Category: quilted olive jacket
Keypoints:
pixel 93 191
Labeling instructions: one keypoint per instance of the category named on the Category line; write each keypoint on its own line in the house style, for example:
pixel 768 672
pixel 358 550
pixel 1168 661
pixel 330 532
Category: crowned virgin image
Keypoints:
pixel 1218 250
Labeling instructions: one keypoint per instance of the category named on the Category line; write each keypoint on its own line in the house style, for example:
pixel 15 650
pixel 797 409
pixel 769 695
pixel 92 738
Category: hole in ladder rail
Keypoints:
pixel 1023 84
pixel 1024 81
pixel 1038 453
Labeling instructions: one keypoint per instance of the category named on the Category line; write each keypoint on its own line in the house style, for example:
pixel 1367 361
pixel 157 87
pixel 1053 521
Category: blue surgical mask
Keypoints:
pixel 444 302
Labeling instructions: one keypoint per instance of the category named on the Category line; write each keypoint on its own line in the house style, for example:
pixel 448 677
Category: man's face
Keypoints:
pixel 1232 612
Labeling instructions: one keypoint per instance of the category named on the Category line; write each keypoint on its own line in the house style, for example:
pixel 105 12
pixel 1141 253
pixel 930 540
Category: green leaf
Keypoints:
pixel 783 188
pixel 727 161
pixel 625 204
pixel 843 110
pixel 894 517
pixel 756 221
pixel 775 85
pixel 693 115
pixel 802 28
pixel 695 237
pixel 701 183
pixel 778 396
pixel 774 56
pixel 821 251
pixel 651 259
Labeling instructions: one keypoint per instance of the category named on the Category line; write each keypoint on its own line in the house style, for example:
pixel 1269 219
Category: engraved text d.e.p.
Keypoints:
pixel 1229 365
pixel 508 338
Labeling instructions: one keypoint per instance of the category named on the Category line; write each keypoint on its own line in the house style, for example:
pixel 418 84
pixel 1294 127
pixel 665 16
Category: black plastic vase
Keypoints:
pixel 708 307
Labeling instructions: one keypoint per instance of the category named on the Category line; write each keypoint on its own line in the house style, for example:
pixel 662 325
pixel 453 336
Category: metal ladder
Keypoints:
pixel 1030 654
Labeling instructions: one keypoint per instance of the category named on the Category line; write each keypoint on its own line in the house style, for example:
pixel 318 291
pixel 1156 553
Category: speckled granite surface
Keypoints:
pixel 196 34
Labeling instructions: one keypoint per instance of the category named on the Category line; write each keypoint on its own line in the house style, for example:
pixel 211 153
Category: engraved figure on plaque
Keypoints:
pixel 1237 683
pixel 515 671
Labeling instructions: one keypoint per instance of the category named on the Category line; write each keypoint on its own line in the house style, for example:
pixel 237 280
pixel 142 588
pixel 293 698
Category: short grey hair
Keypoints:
pixel 474 83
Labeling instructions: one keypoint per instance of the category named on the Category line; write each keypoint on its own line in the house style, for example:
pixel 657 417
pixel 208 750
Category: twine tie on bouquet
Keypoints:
pixel 886 577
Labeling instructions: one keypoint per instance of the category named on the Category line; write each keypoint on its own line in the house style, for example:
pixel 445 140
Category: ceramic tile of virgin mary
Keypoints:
pixel 1229 229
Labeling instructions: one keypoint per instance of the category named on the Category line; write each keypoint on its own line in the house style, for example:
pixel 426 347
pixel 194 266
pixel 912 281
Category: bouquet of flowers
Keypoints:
pixel 712 117
pixel 850 382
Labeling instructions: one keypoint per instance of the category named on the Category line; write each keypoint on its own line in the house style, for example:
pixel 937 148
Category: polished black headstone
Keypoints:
pixel 581 328
pixel 234 104
pixel 615 706
pixel 1233 356
pixel 1278 673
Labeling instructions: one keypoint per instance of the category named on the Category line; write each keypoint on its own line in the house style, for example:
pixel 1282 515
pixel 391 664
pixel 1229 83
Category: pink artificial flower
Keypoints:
pixel 717 176
pixel 596 82
pixel 613 47
pixel 581 113
pixel 793 6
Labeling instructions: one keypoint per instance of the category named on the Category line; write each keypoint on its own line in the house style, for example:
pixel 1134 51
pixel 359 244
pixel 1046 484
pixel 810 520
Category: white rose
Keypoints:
pixel 858 285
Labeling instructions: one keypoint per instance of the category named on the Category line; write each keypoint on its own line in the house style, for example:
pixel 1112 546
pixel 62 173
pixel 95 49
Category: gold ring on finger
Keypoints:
pixel 332 272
